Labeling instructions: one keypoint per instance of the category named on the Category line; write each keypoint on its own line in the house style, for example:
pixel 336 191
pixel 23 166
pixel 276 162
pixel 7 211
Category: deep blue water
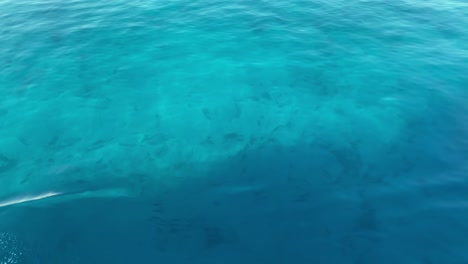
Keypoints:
pixel 244 131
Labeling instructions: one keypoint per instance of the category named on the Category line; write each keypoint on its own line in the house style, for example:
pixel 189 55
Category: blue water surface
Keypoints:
pixel 243 131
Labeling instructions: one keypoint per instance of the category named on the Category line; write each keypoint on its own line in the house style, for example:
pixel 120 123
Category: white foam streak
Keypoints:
pixel 25 199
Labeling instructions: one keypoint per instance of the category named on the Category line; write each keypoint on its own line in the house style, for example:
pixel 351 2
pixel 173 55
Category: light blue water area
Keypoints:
pixel 211 131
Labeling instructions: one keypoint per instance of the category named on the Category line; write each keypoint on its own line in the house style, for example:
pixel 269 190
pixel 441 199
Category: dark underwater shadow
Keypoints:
pixel 311 203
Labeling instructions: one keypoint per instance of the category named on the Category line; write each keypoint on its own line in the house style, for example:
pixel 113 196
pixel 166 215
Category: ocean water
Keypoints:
pixel 213 131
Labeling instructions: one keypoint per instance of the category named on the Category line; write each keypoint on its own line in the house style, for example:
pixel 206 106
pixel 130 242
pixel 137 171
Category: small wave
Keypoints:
pixel 25 199
pixel 65 196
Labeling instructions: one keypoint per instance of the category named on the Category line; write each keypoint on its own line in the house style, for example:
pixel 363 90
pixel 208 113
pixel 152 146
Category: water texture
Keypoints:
pixel 211 131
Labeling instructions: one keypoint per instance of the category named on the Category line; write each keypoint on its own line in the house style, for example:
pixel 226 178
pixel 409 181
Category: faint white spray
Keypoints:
pixel 10 249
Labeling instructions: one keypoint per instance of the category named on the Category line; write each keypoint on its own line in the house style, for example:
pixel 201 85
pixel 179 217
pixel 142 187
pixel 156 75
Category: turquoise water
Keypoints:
pixel 201 132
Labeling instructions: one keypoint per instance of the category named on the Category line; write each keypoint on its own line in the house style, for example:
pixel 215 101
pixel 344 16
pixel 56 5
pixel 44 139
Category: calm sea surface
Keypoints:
pixel 243 131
